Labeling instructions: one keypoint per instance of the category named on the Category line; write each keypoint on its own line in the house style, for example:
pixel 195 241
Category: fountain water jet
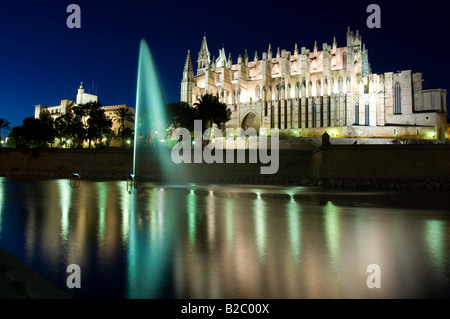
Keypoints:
pixel 151 122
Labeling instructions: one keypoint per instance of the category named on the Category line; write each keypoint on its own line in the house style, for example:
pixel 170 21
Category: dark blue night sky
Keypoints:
pixel 42 61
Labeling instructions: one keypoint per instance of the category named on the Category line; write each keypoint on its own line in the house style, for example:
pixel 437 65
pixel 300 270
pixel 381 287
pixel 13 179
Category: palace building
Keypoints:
pixel 83 98
pixel 315 91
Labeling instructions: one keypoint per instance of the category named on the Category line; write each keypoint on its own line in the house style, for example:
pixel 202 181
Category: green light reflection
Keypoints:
pixel 332 231
pixel 125 209
pixel 259 217
pixel 149 254
pixel 229 223
pixel 191 209
pixel 435 241
pixel 294 229
pixel 153 201
pixel 102 192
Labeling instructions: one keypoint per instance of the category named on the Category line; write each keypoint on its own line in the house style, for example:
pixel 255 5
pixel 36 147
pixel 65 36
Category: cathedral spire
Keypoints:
pixel 204 47
pixel 187 83
pixel 256 56
pixel 213 63
pixel 296 49
pixel 203 57
pixel 245 58
pixel 188 64
pixel 278 52
pixel 269 52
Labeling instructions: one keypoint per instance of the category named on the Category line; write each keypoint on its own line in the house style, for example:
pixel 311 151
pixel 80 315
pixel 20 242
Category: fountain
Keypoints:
pixel 150 123
pixel 148 259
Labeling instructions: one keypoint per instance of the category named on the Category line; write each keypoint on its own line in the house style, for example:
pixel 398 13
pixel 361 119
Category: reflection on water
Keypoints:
pixel 332 229
pixel 259 215
pixel 436 238
pixel 229 241
pixel 294 228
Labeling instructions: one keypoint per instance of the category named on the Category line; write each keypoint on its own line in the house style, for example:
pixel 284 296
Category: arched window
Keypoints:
pixel 257 93
pixel 344 60
pixel 329 112
pixel 321 115
pixel 357 112
pixel 314 115
pixel 397 98
pixel 367 114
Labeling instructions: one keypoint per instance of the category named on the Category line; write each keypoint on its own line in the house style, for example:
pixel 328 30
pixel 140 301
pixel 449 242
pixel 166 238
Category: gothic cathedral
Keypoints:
pixel 313 91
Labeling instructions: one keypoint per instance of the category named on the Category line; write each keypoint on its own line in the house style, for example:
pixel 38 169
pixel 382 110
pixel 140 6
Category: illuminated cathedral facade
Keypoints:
pixel 310 92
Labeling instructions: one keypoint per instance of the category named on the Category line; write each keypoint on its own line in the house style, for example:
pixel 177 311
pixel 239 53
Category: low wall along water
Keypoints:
pixel 335 165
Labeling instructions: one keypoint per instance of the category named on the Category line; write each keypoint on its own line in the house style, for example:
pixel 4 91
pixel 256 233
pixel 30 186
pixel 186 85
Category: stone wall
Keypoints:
pixel 300 167
pixel 394 162
pixel 117 164
pixel 64 162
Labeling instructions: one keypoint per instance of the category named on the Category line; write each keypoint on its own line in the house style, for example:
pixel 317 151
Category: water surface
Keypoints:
pixel 228 241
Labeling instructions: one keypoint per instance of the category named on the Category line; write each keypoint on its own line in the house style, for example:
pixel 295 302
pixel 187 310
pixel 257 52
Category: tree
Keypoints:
pixel 4 124
pixel 16 138
pixel 98 124
pixel 48 128
pixel 79 124
pixel 123 115
pixel 30 134
pixel 181 114
pixel 211 111
pixel 128 134
pixel 90 122
pixel 69 127
pixel 62 127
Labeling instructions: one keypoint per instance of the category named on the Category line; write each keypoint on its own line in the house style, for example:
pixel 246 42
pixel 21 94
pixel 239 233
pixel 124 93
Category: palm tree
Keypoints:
pixel 123 115
pixel 211 111
pixel 4 124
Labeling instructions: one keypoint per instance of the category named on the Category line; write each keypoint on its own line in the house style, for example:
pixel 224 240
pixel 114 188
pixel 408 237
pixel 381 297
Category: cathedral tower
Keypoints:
pixel 203 58
pixel 187 82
